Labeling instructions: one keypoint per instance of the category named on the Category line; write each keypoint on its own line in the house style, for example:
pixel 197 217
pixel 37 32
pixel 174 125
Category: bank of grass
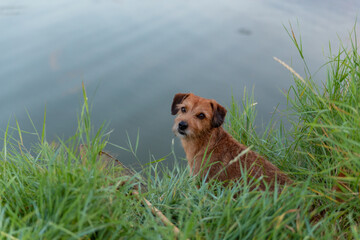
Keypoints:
pixel 48 192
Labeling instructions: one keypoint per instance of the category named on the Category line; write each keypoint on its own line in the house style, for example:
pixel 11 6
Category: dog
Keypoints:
pixel 211 152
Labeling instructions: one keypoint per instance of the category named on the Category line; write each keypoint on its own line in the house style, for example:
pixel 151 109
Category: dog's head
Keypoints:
pixel 195 115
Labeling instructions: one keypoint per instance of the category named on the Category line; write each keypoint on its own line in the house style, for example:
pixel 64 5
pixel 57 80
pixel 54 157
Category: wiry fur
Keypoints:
pixel 211 150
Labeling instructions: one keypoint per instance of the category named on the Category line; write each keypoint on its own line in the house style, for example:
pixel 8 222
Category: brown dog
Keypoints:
pixel 213 152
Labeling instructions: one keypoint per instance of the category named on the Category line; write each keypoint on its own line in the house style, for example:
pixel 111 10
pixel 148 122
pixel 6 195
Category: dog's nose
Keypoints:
pixel 183 125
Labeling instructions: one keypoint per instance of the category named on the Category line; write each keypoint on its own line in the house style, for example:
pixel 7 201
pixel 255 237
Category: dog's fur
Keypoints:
pixel 213 152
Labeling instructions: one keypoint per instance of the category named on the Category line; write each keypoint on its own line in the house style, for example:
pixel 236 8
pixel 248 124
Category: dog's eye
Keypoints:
pixel 183 109
pixel 201 116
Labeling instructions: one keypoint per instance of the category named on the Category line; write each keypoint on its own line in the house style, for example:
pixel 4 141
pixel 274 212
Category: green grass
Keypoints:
pixel 48 192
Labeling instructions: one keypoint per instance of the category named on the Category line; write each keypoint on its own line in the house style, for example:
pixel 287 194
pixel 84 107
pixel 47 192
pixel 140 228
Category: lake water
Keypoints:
pixel 133 56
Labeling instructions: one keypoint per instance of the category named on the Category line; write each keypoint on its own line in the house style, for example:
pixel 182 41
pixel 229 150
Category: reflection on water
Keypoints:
pixel 10 10
pixel 135 55
pixel 245 31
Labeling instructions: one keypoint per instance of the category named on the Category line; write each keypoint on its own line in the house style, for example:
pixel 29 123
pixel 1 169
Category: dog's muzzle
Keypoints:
pixel 182 127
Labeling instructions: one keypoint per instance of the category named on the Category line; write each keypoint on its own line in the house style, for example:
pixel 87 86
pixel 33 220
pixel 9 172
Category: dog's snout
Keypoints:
pixel 183 125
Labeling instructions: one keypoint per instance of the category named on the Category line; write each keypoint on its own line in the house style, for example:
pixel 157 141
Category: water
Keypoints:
pixel 133 56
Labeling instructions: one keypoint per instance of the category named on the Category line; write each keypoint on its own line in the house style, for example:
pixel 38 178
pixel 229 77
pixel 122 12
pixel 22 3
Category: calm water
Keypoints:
pixel 133 56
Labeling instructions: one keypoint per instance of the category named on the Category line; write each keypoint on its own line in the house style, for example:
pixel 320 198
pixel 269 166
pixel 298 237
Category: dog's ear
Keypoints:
pixel 178 98
pixel 219 115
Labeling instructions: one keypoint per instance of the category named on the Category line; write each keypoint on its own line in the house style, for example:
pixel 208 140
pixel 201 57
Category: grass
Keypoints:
pixel 48 192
